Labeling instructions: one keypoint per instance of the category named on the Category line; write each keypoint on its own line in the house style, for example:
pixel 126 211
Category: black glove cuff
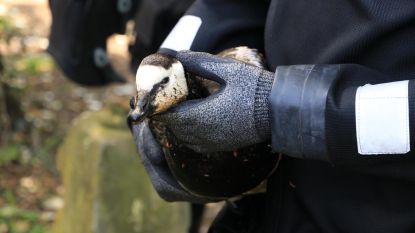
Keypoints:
pixel 262 105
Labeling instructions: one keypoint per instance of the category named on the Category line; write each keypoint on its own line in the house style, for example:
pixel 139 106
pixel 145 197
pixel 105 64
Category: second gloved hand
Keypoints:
pixel 237 115
pixel 153 159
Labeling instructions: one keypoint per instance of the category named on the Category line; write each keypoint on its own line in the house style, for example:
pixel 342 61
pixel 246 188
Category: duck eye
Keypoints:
pixel 144 106
pixel 132 102
pixel 165 80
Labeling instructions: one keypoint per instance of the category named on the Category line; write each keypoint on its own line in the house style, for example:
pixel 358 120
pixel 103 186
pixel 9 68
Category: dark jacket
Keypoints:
pixel 80 29
pixel 334 177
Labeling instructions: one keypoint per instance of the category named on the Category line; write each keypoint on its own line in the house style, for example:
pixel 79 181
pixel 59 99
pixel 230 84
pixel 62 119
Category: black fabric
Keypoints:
pixel 242 216
pixel 79 30
pixel 340 114
pixel 229 23
pixel 376 34
pixel 197 211
pixel 356 194
pixel 359 193
pixel 318 197
pixel 330 90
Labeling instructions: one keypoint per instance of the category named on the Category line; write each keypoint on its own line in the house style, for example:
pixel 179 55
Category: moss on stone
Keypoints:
pixel 106 187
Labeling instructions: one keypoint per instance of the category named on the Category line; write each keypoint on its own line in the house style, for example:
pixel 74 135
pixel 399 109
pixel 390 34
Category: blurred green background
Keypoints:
pixel 37 106
pixel 67 160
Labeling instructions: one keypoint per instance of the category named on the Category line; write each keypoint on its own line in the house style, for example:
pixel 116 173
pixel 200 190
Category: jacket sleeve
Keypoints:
pixel 342 114
pixel 214 25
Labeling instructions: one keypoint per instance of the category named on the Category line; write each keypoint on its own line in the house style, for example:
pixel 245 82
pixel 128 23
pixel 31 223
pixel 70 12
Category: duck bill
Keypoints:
pixel 141 111
pixel 136 116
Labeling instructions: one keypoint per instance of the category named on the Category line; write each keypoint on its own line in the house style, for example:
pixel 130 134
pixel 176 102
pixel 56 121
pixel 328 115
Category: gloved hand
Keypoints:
pixel 156 166
pixel 237 115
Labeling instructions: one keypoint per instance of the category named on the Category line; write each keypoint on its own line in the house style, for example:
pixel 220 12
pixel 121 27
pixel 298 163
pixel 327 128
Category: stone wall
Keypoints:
pixel 106 187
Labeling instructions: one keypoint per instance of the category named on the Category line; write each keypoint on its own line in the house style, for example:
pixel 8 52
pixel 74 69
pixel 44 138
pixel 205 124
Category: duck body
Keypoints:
pixel 217 175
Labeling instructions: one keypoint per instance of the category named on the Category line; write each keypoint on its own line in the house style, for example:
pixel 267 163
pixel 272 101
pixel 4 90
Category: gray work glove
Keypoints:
pixel 156 166
pixel 237 115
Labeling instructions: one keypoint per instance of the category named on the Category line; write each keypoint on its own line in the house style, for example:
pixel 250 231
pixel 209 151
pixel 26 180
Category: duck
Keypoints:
pixel 162 83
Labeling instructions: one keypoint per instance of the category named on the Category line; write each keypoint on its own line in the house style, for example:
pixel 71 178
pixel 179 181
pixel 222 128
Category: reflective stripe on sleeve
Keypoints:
pixel 183 34
pixel 382 118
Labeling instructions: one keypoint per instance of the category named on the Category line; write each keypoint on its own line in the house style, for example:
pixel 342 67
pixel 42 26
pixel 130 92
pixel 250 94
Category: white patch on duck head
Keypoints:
pixel 148 76
pixel 170 83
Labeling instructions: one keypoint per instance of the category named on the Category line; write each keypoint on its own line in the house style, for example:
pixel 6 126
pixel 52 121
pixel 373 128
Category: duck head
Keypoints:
pixel 161 84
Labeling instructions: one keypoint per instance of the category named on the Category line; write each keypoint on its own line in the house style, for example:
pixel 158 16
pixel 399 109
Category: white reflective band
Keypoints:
pixel 183 34
pixel 382 118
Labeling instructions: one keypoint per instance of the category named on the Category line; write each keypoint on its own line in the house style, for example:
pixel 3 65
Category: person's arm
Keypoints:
pixel 329 113
pixel 342 114
pixel 214 25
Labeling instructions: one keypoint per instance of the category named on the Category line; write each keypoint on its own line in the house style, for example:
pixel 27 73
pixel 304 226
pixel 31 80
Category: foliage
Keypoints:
pixel 17 82
pixel 37 105
pixel 17 147
pixel 17 220
pixel 7 29
pixel 8 154
pixel 35 64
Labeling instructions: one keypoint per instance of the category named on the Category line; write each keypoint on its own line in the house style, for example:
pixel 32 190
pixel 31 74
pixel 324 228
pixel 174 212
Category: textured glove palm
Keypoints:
pixel 156 166
pixel 237 115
